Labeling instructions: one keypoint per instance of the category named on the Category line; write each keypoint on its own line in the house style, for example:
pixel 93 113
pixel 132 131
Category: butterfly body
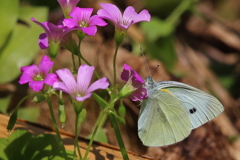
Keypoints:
pixel 172 110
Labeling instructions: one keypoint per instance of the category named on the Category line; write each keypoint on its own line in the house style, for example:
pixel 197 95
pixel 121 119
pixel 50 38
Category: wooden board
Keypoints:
pixel 98 150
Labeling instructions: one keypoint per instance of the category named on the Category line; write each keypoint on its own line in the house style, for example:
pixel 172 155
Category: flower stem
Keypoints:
pixel 13 117
pixel 118 135
pixel 56 129
pixel 102 115
pixel 79 52
pixel 74 64
pixel 114 66
pixel 80 55
pixel 178 11
pixel 77 130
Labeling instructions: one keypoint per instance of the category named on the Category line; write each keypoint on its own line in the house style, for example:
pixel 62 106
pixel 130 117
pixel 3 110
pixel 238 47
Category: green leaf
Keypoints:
pixel 161 8
pixel 4 102
pixel 227 81
pixel 30 113
pixel 157 28
pixel 99 100
pixel 8 15
pixel 43 146
pixel 3 144
pixel 22 145
pixel 39 13
pixel 233 139
pixel 22 45
pixel 100 136
pixel 12 147
pixel 179 74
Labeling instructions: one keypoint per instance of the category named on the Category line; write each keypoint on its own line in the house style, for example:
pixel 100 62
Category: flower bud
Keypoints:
pixel 134 85
pixel 39 98
pixel 12 120
pixel 127 89
pixel 62 114
pixel 122 110
pixel 53 50
pixel 61 101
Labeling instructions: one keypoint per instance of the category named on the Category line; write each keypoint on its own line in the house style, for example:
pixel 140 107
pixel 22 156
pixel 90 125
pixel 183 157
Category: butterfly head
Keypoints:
pixel 149 83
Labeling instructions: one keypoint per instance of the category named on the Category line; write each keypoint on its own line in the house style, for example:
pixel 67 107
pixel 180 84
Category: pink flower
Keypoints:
pixel 81 18
pixel 122 22
pixel 37 76
pixel 79 89
pixel 67 5
pixel 134 83
pixel 53 33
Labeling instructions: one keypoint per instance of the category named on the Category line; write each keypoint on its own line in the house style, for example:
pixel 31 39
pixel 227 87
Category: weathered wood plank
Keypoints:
pixel 98 150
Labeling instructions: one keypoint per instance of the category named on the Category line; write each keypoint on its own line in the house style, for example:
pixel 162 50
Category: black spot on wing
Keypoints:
pixel 192 110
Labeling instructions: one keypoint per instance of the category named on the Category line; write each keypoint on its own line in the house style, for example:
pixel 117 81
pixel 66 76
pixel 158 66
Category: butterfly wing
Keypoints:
pixel 163 120
pixel 202 107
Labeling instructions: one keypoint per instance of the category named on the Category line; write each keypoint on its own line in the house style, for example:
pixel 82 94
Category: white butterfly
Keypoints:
pixel 172 110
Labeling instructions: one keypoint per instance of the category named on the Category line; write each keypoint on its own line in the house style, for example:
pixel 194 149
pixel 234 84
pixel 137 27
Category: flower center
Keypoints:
pixel 83 24
pixel 38 77
pixel 78 95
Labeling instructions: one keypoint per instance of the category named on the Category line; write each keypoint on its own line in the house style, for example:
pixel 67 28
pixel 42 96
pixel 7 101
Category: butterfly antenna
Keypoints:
pixel 145 61
pixel 155 70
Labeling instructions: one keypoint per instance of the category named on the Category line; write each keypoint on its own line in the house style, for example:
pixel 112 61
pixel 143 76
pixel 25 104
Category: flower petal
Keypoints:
pixel 127 72
pixel 70 23
pixel 95 20
pixel 43 41
pixel 53 32
pixel 45 65
pixel 81 15
pixel 137 77
pixel 84 97
pixel 25 78
pixel 68 3
pixel 128 16
pixel 50 79
pixel 60 23
pixel 84 77
pixel 99 84
pixel 142 16
pixel 110 12
pixel 61 86
pixel 68 79
pixel 91 31
pixel 36 85
pixel 31 70
pixel 43 25
pixel 140 93
pixel 136 83
pixel 63 3
pixel 68 42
